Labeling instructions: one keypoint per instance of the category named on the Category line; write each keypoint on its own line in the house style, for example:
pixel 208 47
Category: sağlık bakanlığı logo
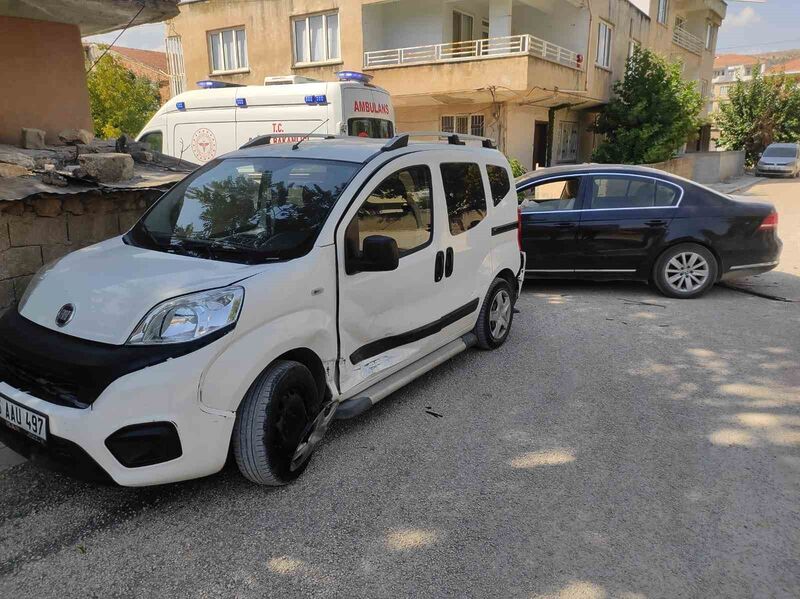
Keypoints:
pixel 204 144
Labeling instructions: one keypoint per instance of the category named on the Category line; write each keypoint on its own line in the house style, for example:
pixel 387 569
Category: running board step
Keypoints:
pixel 356 406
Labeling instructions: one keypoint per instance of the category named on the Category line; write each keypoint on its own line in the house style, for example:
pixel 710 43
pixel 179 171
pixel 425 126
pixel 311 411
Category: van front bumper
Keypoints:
pixel 133 418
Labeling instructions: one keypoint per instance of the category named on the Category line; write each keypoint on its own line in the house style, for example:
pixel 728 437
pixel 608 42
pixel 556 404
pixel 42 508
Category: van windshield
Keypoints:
pixel 248 210
pixel 780 152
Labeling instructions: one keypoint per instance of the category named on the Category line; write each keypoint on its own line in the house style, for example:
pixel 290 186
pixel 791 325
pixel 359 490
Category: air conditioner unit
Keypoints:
pixel 288 80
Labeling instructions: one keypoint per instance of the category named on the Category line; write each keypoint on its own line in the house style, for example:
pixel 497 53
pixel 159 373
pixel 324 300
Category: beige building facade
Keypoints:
pixel 531 74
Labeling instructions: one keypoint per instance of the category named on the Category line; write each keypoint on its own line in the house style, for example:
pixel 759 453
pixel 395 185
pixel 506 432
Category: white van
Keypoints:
pixel 200 125
pixel 270 291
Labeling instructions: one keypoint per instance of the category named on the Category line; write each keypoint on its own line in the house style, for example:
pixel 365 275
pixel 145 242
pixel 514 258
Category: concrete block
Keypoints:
pixel 107 167
pixel 98 204
pixel 53 252
pixel 12 170
pixel 76 136
pixel 5 240
pixel 6 293
pixel 47 207
pixel 31 230
pixel 18 158
pixel 72 205
pixel 32 139
pixel 18 262
pixel 20 285
pixel 91 228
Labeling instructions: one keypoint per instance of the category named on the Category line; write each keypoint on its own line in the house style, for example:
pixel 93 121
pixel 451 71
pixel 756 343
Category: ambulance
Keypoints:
pixel 201 125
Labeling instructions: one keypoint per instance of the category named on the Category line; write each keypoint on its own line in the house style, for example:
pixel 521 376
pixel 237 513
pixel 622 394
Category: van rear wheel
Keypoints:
pixel 273 421
pixel 497 314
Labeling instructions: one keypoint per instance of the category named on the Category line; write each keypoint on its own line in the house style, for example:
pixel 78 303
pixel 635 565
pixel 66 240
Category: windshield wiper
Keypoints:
pixel 215 247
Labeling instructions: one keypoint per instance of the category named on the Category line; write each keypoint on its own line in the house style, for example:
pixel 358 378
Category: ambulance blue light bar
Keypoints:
pixel 212 84
pixel 354 76
pixel 241 102
pixel 180 105
pixel 323 99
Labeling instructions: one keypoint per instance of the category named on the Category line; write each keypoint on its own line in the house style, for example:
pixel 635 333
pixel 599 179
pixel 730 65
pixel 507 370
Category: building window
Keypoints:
pixel 632 45
pixel 466 124
pixel 316 38
pixel 228 50
pixel 604 44
pixel 703 88
pixel 663 11
pixel 568 142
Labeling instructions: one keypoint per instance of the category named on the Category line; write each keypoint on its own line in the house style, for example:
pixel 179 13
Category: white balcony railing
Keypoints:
pixel 474 50
pixel 687 40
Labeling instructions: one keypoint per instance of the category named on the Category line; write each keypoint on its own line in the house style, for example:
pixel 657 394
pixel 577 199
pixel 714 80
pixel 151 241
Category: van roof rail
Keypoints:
pixel 454 139
pixel 264 140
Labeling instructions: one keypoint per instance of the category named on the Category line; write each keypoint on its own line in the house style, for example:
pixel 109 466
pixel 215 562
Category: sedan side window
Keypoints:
pixel 550 196
pixel 400 207
pixel 615 192
pixel 465 195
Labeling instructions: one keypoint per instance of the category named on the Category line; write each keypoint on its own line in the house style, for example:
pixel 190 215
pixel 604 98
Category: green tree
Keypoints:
pixel 121 102
pixel 516 167
pixel 759 112
pixel 652 114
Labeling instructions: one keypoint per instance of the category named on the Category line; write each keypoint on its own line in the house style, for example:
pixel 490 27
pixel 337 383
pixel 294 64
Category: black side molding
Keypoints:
pixel 383 345
pixel 505 228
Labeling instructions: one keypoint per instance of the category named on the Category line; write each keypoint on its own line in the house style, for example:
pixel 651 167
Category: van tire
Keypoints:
pixel 270 422
pixel 499 298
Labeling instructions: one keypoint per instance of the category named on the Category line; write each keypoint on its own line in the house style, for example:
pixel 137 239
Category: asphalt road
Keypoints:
pixel 619 445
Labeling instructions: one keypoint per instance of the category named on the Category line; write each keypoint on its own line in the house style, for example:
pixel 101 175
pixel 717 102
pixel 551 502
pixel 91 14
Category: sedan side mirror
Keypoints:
pixel 380 254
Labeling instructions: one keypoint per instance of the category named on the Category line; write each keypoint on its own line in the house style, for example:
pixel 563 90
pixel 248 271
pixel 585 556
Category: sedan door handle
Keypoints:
pixel 655 223
pixel 565 225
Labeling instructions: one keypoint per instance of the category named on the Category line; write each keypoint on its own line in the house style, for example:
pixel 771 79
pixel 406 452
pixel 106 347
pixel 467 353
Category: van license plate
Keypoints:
pixel 23 420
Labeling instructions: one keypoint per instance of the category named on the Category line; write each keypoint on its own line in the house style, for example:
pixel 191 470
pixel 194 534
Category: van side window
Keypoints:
pixel 499 182
pixel 465 195
pixel 549 196
pixel 374 128
pixel 400 207
pixel 154 139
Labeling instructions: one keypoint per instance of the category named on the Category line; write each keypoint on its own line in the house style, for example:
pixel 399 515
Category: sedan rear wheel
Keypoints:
pixel 685 271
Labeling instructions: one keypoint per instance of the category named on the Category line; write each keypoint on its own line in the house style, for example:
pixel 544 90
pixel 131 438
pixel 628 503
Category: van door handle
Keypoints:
pixel 655 223
pixel 448 264
pixel 438 271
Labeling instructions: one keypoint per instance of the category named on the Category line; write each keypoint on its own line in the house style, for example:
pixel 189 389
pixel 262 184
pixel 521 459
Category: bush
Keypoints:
pixel 652 114
pixel 516 167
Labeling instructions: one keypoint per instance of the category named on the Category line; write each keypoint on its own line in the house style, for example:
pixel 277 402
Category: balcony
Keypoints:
pixel 687 41
pixel 499 47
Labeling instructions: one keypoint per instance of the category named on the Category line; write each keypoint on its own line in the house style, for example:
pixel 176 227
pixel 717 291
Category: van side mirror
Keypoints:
pixel 379 254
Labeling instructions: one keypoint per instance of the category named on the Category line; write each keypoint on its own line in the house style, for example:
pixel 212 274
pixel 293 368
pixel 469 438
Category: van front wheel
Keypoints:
pixel 497 314
pixel 272 421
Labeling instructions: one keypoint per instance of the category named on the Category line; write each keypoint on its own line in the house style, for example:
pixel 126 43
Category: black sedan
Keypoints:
pixel 628 222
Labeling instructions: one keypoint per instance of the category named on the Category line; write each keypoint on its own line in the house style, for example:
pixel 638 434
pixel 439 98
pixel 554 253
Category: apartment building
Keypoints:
pixel 532 74
pixel 728 69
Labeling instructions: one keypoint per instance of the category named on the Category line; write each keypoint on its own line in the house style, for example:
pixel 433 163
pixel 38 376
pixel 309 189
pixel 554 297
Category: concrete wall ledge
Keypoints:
pixel 705 167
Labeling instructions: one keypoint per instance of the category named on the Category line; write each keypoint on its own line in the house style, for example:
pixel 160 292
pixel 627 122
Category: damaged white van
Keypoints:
pixel 203 124
pixel 272 290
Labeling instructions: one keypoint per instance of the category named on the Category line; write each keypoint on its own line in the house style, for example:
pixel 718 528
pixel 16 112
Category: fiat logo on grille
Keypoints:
pixel 65 314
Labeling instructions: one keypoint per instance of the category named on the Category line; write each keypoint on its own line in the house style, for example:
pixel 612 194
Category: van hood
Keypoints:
pixel 112 286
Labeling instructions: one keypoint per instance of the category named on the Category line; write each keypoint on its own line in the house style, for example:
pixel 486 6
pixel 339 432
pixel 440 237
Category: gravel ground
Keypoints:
pixel 619 445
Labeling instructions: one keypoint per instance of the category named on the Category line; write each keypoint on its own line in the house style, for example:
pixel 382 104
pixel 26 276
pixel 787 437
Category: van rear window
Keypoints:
pixel 375 128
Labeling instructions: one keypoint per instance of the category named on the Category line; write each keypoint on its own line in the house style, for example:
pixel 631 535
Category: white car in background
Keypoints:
pixel 270 291
pixel 780 159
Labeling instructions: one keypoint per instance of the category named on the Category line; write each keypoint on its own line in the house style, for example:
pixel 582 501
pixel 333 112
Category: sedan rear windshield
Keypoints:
pixel 248 210
pixel 781 152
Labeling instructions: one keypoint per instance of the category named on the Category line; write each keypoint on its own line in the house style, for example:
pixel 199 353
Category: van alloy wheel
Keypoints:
pixel 687 272
pixel 500 314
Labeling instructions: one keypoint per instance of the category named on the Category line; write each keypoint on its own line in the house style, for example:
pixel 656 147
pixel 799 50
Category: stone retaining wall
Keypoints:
pixel 37 230
pixel 705 167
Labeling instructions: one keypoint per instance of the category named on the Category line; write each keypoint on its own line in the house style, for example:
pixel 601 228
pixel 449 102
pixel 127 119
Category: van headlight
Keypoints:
pixel 189 317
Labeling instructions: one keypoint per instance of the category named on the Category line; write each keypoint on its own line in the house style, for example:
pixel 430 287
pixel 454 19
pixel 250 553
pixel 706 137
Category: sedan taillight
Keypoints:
pixel 770 222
